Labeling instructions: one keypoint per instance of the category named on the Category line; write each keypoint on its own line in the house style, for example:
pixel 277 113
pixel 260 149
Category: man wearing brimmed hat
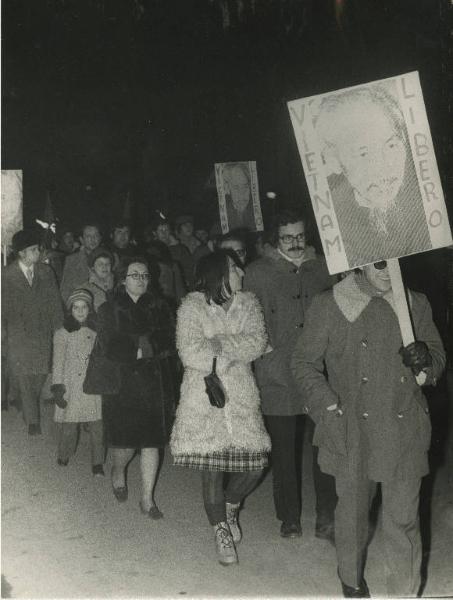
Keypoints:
pixel 31 312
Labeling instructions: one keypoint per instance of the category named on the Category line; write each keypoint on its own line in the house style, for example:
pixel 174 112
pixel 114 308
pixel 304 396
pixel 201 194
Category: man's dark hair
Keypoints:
pixel 212 275
pixel 285 217
pixel 90 224
pixel 235 235
pixel 156 222
pixel 120 224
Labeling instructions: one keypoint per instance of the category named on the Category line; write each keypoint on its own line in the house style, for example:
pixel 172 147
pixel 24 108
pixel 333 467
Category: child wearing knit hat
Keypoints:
pixel 73 344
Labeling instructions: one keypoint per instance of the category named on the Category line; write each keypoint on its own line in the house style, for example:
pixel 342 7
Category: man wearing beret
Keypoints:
pixel 31 312
pixel 372 419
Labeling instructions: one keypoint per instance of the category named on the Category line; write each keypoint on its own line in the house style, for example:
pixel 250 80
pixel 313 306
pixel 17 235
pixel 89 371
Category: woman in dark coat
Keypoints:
pixel 137 338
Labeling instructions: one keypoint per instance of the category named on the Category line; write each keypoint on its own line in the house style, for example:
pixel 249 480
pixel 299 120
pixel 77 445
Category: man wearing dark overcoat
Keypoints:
pixel 372 419
pixel 31 312
pixel 285 282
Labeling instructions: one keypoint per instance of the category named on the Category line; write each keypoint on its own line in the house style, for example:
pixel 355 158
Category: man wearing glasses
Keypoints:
pixel 285 282
pixel 372 419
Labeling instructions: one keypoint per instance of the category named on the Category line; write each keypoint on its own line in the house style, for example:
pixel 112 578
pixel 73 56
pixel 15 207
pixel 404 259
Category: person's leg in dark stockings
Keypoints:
pixel 214 503
pixel 239 486
pixel 213 495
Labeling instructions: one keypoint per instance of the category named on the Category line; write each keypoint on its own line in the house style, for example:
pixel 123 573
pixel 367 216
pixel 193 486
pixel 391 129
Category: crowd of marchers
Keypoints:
pixel 127 337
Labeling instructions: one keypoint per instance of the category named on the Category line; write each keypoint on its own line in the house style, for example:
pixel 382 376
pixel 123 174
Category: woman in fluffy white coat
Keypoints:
pixel 219 320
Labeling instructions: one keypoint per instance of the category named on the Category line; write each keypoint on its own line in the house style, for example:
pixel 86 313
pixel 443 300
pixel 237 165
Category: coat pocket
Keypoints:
pixel 331 433
pixel 415 426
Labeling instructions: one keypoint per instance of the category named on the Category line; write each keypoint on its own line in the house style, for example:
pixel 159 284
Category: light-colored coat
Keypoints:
pixel 385 417
pixel 199 427
pixel 71 351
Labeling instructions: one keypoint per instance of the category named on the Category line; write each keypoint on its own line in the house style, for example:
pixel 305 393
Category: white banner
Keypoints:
pixel 11 206
pixel 371 170
pixel 239 198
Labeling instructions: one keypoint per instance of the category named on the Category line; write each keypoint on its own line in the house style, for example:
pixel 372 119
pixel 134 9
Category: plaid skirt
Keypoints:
pixel 232 460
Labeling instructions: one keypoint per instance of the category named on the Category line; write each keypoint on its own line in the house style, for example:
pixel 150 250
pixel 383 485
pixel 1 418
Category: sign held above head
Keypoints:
pixel 371 170
pixel 238 194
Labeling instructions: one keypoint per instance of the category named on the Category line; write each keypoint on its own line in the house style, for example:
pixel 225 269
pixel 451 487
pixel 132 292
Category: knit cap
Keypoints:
pixel 80 294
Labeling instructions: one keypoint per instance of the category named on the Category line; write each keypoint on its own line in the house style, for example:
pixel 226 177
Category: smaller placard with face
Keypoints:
pixel 238 194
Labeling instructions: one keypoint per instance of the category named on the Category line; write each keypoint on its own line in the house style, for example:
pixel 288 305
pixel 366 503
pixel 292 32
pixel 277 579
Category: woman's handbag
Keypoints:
pixel 102 375
pixel 214 387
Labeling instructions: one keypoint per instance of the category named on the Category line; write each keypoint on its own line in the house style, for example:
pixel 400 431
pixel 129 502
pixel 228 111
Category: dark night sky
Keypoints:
pixel 92 95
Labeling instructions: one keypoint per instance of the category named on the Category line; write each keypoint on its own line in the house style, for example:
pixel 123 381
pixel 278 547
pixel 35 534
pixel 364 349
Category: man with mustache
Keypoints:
pixel 371 175
pixel 372 419
pixel 285 281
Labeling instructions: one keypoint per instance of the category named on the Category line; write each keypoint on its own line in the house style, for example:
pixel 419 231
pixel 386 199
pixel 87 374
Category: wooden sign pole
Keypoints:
pixel 402 309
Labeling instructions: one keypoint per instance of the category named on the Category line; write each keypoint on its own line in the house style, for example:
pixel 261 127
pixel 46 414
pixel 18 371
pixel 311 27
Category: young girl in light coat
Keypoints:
pixel 72 347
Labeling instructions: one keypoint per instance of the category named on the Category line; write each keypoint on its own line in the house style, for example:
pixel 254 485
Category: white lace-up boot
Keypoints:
pixel 232 513
pixel 226 552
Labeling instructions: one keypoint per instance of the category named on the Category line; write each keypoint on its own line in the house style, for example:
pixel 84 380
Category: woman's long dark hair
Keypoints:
pixel 71 324
pixel 212 275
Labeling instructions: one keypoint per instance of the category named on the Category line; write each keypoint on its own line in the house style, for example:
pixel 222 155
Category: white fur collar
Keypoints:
pixel 351 300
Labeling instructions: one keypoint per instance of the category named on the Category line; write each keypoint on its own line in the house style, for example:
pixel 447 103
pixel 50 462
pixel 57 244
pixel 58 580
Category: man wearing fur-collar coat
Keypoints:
pixel 372 419
pixel 285 281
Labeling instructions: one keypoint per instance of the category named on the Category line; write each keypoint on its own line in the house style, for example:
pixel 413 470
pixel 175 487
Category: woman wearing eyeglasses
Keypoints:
pixel 136 334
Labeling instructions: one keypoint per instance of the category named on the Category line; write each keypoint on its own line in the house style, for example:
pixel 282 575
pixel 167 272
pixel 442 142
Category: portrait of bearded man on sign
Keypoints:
pixel 371 173
pixel 238 196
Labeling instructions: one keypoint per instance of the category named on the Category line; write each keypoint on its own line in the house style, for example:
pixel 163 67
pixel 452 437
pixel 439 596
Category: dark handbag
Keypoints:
pixel 214 387
pixel 103 375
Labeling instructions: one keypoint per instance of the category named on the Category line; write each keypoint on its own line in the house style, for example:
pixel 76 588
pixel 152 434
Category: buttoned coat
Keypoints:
pixel 384 418
pixel 30 315
pixel 199 427
pixel 285 293
pixel 71 352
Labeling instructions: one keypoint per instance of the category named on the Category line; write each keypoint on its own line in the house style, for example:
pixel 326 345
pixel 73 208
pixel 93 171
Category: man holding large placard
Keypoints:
pixel 369 162
pixel 372 419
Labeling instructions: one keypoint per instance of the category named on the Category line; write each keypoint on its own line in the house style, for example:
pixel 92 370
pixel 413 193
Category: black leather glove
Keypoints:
pixel 58 391
pixel 416 356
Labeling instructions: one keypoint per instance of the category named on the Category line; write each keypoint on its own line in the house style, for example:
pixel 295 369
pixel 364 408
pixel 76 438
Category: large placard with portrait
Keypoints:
pixel 11 206
pixel 371 170
pixel 238 194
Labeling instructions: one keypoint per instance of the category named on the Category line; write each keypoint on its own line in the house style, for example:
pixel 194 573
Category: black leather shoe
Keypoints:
pixel 290 530
pixel 120 493
pixel 325 532
pixel 351 592
pixel 34 429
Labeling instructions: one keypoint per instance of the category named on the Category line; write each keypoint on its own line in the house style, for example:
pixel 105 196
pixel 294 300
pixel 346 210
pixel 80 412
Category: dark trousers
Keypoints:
pixel 400 527
pixel 67 440
pixel 30 387
pixel 286 433
pixel 215 495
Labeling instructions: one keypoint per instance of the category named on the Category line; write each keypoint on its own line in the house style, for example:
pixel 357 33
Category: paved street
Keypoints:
pixel 64 535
